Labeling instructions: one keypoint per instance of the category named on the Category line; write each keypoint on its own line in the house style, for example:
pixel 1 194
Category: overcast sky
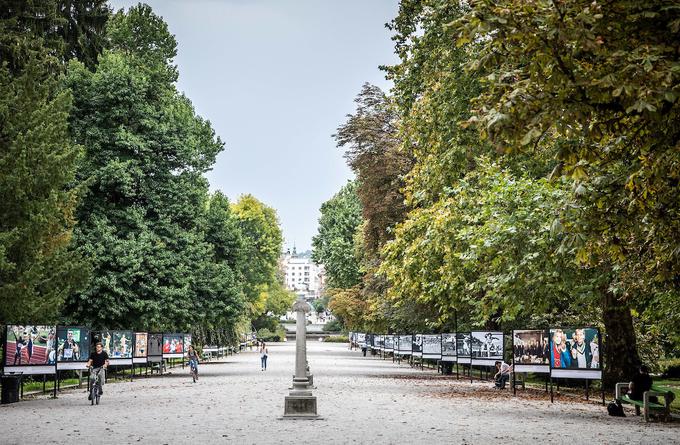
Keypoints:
pixel 276 78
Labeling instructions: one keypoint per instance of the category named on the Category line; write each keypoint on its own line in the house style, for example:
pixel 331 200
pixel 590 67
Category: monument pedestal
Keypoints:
pixel 300 407
pixel 300 403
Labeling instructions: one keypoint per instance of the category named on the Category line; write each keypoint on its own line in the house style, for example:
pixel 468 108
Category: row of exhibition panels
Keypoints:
pixel 44 349
pixel 558 352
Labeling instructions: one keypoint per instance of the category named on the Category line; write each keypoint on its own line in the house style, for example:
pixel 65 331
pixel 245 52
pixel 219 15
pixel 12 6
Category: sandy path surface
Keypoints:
pixel 362 400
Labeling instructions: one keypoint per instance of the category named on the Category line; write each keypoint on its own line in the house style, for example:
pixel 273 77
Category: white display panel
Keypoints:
pixel 32 370
pixel 71 366
pixel 539 369
pixel 594 374
pixel 482 362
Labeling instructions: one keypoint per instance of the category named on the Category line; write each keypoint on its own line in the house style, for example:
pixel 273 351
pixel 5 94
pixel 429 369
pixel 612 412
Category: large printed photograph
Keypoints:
pixel 486 345
pixel 30 345
pixel 73 344
pixel 405 343
pixel 141 344
pixel 530 347
pixel 417 344
pixel 389 342
pixel 432 345
pixel 449 345
pixel 155 345
pixel 575 348
pixel 117 344
pixel 463 344
pixel 173 344
pixel 187 342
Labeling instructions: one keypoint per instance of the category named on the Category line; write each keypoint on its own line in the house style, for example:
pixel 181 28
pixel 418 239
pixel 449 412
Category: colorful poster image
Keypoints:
pixel 155 345
pixel 463 344
pixel 30 345
pixel 530 347
pixel 141 344
pixel 575 348
pixel 449 345
pixel 173 344
pixel 187 342
pixel 117 344
pixel 486 345
pixel 73 344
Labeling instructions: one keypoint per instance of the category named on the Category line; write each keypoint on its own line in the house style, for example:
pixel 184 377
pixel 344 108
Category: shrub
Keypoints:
pixel 333 326
pixel 266 335
pixel 336 339
pixel 670 368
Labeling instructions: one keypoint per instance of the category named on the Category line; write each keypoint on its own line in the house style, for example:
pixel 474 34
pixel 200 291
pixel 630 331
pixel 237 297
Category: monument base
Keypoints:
pixel 300 407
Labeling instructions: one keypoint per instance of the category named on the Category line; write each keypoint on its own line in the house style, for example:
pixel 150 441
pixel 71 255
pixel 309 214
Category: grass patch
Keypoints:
pixel 671 385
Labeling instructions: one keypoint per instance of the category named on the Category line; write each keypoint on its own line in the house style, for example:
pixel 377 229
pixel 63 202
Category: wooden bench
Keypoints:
pixel 647 406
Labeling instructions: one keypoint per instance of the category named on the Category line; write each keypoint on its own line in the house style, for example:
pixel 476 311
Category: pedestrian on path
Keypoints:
pixel 263 356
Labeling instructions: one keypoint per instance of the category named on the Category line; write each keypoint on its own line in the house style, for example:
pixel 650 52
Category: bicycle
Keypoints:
pixel 96 385
pixel 194 370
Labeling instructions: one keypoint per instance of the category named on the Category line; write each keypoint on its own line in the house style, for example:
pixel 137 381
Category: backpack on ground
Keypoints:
pixel 615 409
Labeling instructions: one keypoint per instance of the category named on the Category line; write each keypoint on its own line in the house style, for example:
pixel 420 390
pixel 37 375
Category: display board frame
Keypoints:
pixel 463 356
pixel 486 338
pixel 417 345
pixel 537 368
pixel 576 373
pixel 171 353
pixel 428 341
pixel 447 355
pixel 80 364
pixel 29 368
pixel 143 358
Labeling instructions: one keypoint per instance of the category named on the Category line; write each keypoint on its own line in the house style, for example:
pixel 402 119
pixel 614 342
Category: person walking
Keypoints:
pixel 263 356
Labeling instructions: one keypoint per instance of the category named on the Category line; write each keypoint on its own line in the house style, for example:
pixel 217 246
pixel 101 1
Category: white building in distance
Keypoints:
pixel 301 275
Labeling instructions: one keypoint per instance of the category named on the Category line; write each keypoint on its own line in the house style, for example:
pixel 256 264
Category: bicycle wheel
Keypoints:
pixel 98 396
pixel 93 392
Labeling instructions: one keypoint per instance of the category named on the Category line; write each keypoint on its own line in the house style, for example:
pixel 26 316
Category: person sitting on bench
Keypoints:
pixel 641 383
pixel 503 371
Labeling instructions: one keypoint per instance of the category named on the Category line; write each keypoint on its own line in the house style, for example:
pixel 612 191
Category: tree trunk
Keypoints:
pixel 621 359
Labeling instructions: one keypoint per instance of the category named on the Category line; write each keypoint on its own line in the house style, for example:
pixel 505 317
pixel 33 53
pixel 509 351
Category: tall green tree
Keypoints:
pixel 334 245
pixel 38 191
pixel 62 29
pixel 263 243
pixel 597 83
pixel 142 221
pixel 38 269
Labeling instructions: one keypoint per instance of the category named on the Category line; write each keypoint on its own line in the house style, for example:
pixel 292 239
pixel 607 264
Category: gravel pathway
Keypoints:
pixel 362 400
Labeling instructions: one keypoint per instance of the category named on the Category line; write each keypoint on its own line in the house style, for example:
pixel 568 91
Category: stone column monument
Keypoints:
pixel 300 403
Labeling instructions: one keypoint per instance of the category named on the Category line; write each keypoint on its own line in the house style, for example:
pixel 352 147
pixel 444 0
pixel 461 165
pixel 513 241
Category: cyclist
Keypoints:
pixel 192 355
pixel 98 360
